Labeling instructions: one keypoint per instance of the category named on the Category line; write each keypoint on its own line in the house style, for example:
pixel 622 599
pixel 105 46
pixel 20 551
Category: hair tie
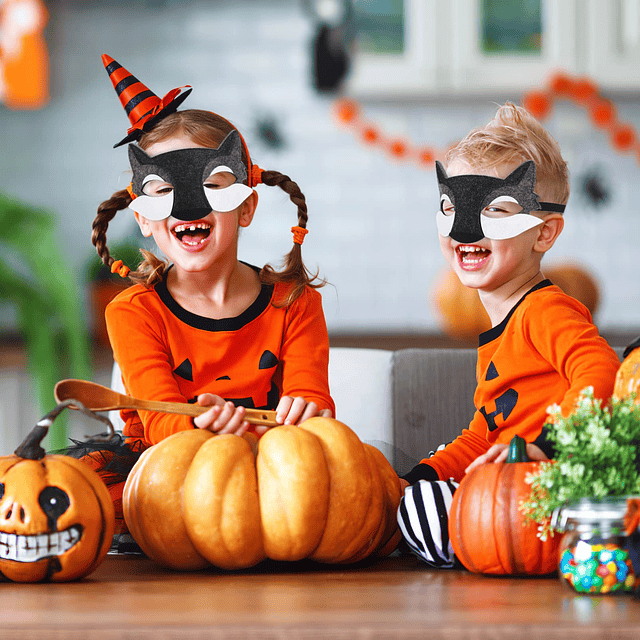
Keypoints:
pixel 130 191
pixel 256 175
pixel 121 268
pixel 298 234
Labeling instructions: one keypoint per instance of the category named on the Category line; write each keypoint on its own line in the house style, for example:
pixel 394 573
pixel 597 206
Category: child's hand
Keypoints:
pixel 223 417
pixel 292 410
pixel 499 453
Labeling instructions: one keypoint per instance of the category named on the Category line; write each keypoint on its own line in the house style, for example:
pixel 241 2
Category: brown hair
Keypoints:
pixel 209 130
pixel 514 136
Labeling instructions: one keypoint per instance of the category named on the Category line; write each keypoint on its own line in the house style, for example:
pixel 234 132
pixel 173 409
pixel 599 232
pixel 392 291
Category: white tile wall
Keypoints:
pixel 371 219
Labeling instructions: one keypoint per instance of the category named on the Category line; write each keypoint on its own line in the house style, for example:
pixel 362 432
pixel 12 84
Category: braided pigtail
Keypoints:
pixel 294 270
pixel 150 270
pixel 106 213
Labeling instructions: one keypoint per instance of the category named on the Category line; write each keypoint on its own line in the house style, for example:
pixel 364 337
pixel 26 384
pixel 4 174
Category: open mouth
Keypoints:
pixel 37 547
pixel 192 234
pixel 471 255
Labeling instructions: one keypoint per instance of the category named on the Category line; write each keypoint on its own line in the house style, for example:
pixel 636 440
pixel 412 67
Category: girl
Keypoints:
pixel 205 327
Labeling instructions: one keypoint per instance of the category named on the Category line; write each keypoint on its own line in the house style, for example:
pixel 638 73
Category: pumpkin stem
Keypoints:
pixel 517 450
pixel 31 449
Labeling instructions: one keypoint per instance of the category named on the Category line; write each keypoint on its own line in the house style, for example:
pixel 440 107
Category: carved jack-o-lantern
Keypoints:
pixel 56 516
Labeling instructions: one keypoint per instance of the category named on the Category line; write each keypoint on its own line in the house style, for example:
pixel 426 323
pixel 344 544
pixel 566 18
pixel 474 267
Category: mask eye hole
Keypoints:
pixel 446 206
pixel 156 186
pixel 502 206
pixel 220 178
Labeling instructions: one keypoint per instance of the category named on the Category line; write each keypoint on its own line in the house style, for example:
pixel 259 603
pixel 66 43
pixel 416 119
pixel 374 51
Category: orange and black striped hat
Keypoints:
pixel 143 107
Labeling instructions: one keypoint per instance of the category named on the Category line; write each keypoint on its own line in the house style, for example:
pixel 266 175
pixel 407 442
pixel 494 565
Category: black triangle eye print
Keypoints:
pixel 492 372
pixel 223 378
pixel 185 370
pixel 267 360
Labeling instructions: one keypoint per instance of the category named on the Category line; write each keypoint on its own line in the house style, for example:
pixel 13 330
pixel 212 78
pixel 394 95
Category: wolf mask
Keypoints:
pixel 186 171
pixel 471 194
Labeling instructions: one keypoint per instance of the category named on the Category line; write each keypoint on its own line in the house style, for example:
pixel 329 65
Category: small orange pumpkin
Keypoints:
pixel 312 491
pixel 487 530
pixel 56 516
pixel 628 376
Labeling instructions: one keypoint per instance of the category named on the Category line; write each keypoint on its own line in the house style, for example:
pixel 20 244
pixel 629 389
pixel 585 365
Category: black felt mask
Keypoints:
pixel 186 171
pixel 471 194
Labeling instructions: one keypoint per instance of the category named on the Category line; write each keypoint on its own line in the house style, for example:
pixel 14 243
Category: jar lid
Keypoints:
pixel 606 511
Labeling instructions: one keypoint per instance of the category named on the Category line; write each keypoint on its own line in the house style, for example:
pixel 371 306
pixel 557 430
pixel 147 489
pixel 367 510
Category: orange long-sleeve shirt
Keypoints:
pixel 545 352
pixel 167 353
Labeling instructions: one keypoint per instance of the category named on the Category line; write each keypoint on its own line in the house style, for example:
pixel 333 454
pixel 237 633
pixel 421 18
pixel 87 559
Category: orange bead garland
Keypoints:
pixel 585 93
pixel 539 102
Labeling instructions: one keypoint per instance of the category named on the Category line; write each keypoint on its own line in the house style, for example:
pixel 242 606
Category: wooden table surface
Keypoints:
pixel 398 597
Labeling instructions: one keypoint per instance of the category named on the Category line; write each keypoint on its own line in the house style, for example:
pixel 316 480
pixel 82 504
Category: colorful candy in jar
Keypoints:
pixel 597 568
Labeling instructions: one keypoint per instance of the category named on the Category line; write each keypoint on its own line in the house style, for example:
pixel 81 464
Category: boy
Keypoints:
pixel 502 196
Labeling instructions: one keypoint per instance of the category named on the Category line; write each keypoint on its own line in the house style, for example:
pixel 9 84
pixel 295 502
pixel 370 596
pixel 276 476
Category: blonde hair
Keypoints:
pixel 514 136
pixel 208 130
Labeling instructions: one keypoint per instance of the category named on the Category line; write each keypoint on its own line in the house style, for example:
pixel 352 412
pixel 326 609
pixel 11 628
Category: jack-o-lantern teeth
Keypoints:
pixel 38 547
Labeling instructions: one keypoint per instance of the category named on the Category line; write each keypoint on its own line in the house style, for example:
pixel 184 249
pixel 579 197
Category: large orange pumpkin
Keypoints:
pixel 487 530
pixel 311 491
pixel 56 516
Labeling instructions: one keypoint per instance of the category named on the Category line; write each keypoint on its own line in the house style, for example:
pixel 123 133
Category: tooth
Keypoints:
pixel 53 540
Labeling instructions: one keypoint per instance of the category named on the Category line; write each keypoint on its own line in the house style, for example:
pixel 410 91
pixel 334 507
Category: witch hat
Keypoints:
pixel 143 107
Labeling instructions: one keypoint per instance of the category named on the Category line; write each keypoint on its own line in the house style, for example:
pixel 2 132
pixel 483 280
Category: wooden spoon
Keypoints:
pixel 98 398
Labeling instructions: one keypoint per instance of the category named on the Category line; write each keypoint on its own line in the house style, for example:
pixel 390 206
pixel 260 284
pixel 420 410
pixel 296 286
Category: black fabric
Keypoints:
pixel 634 345
pixel 494 332
pixel 211 324
pixel 115 457
pixel 544 444
pixel 421 471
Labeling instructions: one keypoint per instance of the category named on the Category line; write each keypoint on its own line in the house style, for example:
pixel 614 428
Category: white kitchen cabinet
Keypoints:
pixel 446 53
pixel 611 46
pixel 474 68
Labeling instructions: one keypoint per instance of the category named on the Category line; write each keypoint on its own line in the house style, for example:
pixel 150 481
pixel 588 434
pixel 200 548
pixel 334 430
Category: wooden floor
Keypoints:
pixel 130 597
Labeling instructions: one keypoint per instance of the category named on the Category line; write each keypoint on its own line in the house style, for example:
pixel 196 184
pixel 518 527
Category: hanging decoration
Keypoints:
pixel 24 64
pixel 584 93
pixel 347 112
pixel 581 91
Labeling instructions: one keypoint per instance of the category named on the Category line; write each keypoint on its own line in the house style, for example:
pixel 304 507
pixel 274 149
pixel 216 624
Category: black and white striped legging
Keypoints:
pixel 423 516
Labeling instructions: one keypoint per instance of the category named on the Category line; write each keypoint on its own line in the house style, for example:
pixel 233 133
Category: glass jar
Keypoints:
pixel 595 554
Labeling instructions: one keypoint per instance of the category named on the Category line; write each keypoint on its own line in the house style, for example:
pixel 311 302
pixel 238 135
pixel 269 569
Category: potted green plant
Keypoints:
pixel 37 280
pixel 597 454
pixel 583 492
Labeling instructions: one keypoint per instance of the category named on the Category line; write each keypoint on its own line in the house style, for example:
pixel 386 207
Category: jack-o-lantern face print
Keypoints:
pixel 56 519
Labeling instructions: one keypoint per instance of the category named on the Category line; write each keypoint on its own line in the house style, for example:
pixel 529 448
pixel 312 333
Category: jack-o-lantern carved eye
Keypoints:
pixel 1 490
pixel 54 502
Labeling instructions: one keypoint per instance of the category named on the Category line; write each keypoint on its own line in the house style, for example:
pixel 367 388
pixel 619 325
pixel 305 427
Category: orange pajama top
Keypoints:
pixel 545 352
pixel 168 353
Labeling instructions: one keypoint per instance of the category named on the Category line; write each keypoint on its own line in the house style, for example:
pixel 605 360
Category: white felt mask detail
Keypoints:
pixel 229 198
pixel 150 177
pixel 153 207
pixel 444 223
pixel 500 199
pixel 221 169
pixel 510 227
